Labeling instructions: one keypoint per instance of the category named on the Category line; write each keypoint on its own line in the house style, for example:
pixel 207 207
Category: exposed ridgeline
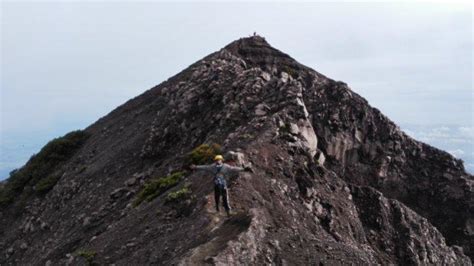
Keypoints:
pixel 334 180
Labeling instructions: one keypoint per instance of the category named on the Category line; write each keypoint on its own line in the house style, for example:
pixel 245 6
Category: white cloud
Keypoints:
pixel 467 132
pixel 470 167
pixel 409 132
pixel 457 140
pixel 442 128
pixel 460 140
pixel 458 153
pixel 460 135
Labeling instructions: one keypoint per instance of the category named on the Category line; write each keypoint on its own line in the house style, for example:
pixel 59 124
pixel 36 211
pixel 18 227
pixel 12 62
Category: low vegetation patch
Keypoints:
pixel 82 169
pixel 157 186
pixel 88 255
pixel 178 195
pixel 46 184
pixel 290 72
pixel 285 128
pixel 203 154
pixel 246 136
pixel 182 201
pixel 39 168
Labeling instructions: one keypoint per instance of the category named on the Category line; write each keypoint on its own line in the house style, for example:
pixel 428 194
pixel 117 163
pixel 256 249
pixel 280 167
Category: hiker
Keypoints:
pixel 220 169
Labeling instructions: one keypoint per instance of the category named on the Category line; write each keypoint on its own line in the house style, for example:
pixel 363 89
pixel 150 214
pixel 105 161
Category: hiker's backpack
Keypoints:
pixel 219 179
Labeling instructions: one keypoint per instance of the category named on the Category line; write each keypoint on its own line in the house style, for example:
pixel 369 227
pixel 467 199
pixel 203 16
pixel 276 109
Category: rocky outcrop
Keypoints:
pixel 333 181
pixel 399 232
pixel 364 147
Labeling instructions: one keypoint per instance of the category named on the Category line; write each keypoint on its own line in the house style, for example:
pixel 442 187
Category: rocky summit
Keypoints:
pixel 333 180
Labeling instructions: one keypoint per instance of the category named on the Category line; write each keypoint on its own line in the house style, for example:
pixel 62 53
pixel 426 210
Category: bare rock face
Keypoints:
pixel 397 230
pixel 364 147
pixel 333 182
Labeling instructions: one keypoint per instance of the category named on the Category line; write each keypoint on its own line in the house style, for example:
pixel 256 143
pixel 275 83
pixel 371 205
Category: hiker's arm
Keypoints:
pixel 247 168
pixel 205 167
pixel 231 168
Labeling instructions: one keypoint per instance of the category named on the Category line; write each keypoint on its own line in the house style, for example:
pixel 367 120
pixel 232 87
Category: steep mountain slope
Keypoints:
pixel 334 180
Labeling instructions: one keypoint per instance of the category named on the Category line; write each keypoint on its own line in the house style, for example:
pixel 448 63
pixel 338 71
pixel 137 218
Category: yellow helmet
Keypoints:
pixel 218 157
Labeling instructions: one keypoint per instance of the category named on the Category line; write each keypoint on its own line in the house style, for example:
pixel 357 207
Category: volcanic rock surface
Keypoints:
pixel 334 181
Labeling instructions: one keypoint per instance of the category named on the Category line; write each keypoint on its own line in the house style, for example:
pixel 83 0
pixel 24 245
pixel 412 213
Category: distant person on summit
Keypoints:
pixel 220 169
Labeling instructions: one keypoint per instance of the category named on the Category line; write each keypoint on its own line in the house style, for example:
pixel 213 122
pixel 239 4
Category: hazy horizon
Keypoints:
pixel 65 65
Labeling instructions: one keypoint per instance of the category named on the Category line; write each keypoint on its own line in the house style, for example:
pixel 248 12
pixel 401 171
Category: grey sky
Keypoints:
pixel 64 65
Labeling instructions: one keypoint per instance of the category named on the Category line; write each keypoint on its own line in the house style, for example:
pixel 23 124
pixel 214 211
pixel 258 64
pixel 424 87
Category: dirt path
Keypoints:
pixel 222 229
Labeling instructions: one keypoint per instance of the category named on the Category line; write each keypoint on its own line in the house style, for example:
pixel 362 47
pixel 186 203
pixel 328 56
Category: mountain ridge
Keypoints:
pixel 322 159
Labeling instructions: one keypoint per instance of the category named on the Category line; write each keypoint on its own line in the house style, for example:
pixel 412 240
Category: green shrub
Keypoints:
pixel 285 128
pixel 203 154
pixel 88 255
pixel 182 201
pixel 290 71
pixel 5 197
pixel 178 195
pixel 157 186
pixel 42 165
pixel 82 169
pixel 46 184
pixel 246 136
